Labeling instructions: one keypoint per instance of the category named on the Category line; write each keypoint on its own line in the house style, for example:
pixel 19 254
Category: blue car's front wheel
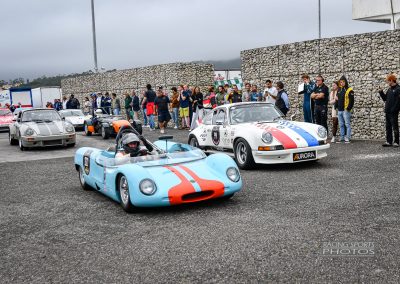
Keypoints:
pixel 82 181
pixel 123 188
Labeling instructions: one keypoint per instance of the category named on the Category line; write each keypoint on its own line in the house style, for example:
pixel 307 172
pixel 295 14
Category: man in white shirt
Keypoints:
pixel 270 92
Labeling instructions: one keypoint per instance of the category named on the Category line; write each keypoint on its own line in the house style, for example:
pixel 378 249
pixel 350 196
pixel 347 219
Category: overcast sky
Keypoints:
pixel 50 37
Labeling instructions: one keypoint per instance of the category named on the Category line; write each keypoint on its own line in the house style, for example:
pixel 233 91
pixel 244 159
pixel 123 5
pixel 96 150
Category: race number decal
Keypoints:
pixel 215 135
pixel 86 161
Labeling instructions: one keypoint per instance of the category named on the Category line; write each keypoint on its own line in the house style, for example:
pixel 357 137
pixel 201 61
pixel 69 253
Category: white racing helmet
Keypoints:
pixel 131 143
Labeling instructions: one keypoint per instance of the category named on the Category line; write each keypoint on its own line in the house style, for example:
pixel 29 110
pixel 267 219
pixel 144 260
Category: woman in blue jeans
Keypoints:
pixel 344 105
pixel 175 106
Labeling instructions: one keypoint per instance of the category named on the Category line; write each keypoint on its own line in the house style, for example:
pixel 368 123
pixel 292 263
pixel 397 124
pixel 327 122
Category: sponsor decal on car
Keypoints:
pixel 215 135
pixel 86 161
pixel 303 156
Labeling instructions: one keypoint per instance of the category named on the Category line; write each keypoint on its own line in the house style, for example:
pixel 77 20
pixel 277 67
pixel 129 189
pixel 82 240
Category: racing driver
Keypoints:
pixel 131 146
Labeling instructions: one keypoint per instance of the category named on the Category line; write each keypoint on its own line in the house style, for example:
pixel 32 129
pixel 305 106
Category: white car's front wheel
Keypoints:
pixel 193 141
pixel 243 154
pixel 20 144
pixel 12 140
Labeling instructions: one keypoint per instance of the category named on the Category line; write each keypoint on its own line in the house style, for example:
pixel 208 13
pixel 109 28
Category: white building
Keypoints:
pixel 381 11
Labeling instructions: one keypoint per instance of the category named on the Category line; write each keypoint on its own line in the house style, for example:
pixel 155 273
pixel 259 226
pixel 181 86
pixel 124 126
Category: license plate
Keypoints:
pixel 304 156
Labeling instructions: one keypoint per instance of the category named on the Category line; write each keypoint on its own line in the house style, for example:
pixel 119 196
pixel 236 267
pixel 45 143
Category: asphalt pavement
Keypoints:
pixel 274 230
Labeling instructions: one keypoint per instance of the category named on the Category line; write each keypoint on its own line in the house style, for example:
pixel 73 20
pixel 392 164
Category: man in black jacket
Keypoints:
pixel 344 104
pixel 320 96
pixel 392 108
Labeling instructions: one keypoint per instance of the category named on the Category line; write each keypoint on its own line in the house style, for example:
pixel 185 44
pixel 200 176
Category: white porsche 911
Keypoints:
pixel 257 133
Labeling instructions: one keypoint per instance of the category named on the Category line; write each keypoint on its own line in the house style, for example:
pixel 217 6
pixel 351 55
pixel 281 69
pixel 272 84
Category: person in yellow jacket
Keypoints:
pixel 344 105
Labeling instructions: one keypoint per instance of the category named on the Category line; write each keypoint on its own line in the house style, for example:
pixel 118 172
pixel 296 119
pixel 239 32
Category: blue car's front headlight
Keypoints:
pixel 147 187
pixel 233 174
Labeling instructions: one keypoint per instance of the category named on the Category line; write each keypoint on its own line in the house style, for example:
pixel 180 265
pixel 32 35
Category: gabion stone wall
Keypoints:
pixel 121 81
pixel 365 60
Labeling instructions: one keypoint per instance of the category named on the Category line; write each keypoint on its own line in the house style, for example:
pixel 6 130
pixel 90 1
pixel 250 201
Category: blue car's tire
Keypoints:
pixel 124 195
pixel 82 181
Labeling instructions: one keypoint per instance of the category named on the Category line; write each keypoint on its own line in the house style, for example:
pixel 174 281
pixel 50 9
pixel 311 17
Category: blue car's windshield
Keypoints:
pixel 177 157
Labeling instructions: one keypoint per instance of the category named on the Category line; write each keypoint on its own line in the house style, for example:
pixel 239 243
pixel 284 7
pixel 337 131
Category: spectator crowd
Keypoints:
pixel 186 105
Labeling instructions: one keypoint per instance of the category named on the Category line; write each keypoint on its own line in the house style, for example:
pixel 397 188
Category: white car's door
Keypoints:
pixel 204 131
pixel 220 129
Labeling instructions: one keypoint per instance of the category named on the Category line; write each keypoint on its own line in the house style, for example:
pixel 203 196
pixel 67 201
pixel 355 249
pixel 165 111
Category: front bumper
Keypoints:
pixel 286 156
pixel 46 141
pixel 4 127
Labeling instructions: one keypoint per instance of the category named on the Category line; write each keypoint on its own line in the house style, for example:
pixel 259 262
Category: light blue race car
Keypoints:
pixel 170 174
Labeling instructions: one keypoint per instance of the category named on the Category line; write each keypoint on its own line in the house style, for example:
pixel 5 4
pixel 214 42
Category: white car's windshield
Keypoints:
pixel 75 112
pixel 40 116
pixel 253 113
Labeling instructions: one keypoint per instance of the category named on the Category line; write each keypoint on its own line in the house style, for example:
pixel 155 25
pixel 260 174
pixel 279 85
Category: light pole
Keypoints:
pixel 319 19
pixel 94 39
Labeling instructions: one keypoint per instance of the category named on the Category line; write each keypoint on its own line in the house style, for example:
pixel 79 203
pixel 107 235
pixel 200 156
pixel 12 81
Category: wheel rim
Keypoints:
pixel 81 178
pixel 9 137
pixel 86 129
pixel 241 152
pixel 124 190
pixel 103 133
pixel 193 142
pixel 20 143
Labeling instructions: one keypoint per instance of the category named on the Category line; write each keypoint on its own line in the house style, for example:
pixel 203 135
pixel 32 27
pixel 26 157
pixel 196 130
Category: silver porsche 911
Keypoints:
pixel 41 128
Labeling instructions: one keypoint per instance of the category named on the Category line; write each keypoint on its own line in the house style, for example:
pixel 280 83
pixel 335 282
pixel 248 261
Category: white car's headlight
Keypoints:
pixel 267 137
pixel 69 127
pixel 147 187
pixel 322 133
pixel 29 132
pixel 233 174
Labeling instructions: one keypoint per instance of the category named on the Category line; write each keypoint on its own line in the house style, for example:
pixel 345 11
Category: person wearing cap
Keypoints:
pixel 392 108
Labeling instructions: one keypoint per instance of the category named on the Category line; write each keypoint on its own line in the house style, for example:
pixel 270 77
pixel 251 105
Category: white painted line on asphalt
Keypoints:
pixel 376 156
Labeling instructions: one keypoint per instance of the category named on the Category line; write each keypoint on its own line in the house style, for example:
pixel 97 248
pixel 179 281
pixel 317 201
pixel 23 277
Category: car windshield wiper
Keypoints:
pixel 277 118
